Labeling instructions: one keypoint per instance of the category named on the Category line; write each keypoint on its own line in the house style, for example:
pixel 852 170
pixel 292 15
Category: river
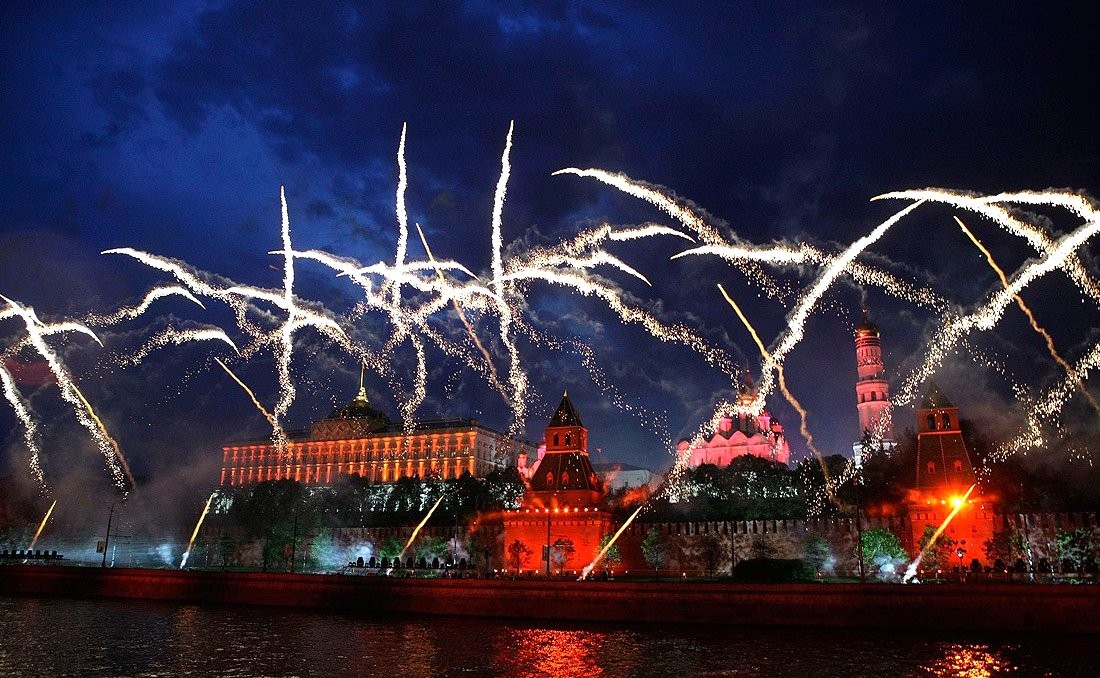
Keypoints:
pixel 69 637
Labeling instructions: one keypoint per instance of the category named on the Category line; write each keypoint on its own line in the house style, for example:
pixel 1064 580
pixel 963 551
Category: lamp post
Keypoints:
pixel 107 539
pixel 547 542
pixel 865 449
pixel 294 540
pixel 960 552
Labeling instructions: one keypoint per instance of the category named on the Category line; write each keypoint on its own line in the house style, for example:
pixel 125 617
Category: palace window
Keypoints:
pixel 931 422
pixel 931 468
pixel 958 466
pixel 947 421
pixel 874 396
pixel 550 478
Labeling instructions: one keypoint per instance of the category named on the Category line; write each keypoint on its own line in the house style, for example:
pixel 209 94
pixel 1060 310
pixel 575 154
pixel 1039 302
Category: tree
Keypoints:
pixel 655 550
pixel 269 512
pixel 938 555
pixel 816 552
pixel 761 546
pixel 227 550
pixel 613 556
pixel 391 548
pixel 561 552
pixel 883 553
pixel 479 545
pixel 1006 546
pixel 436 547
pixel 405 496
pixel 503 489
pixel 1076 549
pixel 711 551
pixel 518 555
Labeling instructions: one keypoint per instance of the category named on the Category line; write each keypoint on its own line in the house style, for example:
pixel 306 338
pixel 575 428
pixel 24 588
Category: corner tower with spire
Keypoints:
pixel 564 476
pixel 560 511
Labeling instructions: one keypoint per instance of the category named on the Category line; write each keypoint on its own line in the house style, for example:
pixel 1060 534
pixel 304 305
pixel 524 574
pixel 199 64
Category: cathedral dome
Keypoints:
pixel 866 327
pixel 359 408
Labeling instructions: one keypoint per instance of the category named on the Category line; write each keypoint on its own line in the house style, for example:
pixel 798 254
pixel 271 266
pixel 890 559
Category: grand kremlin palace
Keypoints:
pixel 359 440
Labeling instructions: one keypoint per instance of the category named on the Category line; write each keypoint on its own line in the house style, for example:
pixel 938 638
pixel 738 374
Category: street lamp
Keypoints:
pixel 107 539
pixel 960 552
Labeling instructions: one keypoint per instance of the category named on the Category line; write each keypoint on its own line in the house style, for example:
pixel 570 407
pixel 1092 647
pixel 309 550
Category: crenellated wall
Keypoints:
pixel 736 540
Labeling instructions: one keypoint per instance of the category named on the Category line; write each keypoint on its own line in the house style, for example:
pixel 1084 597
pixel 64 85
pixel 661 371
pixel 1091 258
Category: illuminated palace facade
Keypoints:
pixel 359 440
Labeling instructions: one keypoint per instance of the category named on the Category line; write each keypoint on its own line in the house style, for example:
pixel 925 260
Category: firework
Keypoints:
pixel 195 532
pixel 41 526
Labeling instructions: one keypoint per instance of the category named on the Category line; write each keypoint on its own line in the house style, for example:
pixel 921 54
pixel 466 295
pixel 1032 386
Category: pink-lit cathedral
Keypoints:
pixel 739 434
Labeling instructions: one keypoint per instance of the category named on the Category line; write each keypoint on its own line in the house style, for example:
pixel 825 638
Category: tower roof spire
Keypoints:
pixel 566 414
pixel 865 325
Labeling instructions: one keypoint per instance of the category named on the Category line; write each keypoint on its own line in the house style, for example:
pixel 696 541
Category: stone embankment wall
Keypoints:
pixel 971 607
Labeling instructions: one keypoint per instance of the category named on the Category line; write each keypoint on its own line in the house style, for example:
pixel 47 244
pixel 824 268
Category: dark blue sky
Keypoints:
pixel 170 128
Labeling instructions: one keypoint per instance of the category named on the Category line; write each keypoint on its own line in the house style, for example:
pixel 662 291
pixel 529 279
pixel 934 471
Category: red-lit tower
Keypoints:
pixel 872 391
pixel 565 476
pixel 560 510
pixel 944 474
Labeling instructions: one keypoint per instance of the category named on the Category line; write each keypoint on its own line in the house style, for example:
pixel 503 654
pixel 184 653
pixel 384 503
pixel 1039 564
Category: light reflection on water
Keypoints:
pixel 40 637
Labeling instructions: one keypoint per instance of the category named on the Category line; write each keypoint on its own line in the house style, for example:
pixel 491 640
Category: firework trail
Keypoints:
pixel 703 230
pixel 36 333
pixel 516 376
pixel 991 207
pixel 796 323
pixel 131 312
pixel 30 427
pixel 805 253
pixel 803 415
pixel 195 533
pixel 911 571
pixel 1070 372
pixel 402 228
pixel 423 522
pixel 494 379
pixel 277 434
pixel 41 526
pixel 106 436
pixel 1048 405
pixel 611 542
pixel 987 316
pixel 176 337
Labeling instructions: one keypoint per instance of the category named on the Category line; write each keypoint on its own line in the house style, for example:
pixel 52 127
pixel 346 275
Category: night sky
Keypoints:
pixel 171 127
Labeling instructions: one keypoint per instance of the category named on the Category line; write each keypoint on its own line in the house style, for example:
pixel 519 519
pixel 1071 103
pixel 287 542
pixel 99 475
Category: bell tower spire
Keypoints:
pixel 872 390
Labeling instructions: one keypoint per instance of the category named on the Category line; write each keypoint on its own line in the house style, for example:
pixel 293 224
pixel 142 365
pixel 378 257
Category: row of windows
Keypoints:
pixel 316 473
pixel 315 455
pixel 874 397
pixel 932 467
pixel 945 419
pixel 568 440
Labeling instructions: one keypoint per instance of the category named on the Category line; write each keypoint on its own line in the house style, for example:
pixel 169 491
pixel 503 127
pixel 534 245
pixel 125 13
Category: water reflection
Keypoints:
pixel 970 661
pixel 553 652
pixel 56 637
